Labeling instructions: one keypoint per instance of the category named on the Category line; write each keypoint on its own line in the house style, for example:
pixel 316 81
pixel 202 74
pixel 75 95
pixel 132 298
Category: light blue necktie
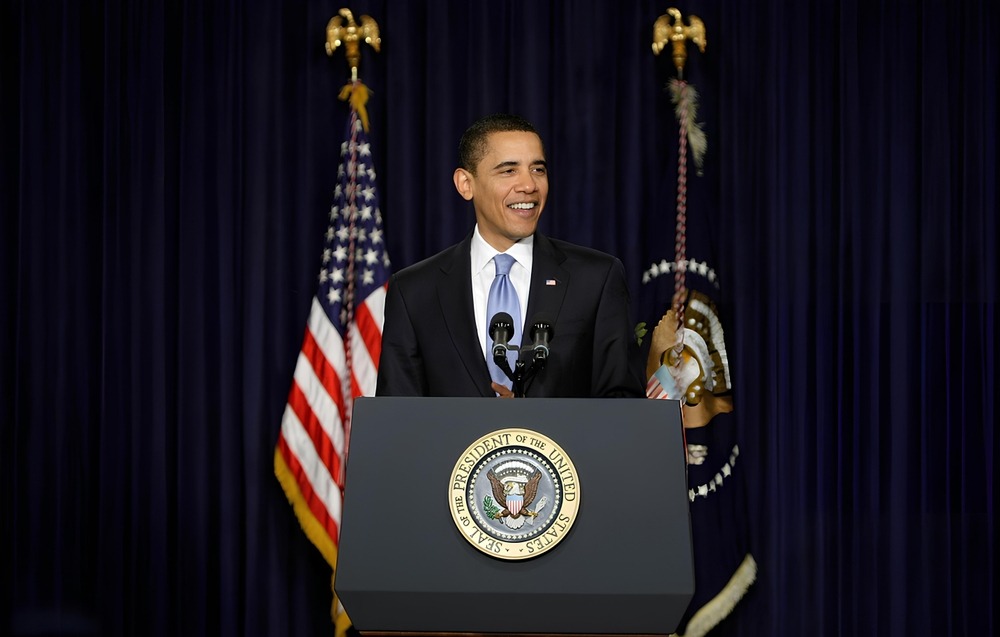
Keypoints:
pixel 503 298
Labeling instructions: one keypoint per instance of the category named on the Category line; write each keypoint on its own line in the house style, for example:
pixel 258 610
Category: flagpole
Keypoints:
pixel 670 28
pixel 704 394
pixel 338 359
pixel 343 31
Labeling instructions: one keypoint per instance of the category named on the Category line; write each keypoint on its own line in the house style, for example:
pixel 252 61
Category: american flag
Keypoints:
pixel 339 357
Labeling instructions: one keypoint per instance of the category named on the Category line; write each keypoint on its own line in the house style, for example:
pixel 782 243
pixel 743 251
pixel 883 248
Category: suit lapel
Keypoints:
pixel 455 296
pixel 549 282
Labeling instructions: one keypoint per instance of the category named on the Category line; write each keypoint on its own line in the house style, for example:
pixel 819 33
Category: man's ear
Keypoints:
pixel 463 183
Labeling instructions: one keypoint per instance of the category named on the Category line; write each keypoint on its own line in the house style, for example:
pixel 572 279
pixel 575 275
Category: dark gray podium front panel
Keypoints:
pixel 625 566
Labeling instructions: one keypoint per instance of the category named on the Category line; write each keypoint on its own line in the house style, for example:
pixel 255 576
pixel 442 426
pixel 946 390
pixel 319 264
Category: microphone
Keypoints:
pixel 541 334
pixel 501 331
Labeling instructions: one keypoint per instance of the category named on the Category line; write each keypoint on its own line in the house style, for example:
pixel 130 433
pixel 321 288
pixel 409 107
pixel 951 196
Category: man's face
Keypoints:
pixel 508 189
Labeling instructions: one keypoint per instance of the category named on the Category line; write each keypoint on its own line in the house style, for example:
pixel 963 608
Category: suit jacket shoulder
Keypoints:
pixel 593 352
pixel 430 345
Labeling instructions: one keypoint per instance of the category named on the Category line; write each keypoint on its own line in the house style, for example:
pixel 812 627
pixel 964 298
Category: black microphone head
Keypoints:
pixel 541 334
pixel 541 326
pixel 501 320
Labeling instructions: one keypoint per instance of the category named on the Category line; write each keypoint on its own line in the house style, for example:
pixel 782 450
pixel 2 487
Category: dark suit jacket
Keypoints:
pixel 430 341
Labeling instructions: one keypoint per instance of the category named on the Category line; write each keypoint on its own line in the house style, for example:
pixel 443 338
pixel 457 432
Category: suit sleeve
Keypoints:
pixel 616 369
pixel 401 366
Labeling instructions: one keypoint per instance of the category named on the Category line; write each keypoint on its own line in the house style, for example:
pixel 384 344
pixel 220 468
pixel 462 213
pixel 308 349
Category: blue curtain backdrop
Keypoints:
pixel 165 173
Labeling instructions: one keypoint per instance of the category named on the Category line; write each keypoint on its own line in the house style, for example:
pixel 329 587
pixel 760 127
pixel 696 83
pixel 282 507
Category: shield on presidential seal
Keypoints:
pixel 514 502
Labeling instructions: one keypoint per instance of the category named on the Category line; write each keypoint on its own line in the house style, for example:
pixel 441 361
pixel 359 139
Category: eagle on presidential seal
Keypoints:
pixel 516 490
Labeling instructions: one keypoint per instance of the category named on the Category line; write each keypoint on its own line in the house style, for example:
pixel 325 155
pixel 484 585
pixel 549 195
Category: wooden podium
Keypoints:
pixel 624 567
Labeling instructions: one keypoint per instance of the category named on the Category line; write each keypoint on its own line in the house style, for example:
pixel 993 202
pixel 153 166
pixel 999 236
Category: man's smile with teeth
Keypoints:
pixel 522 206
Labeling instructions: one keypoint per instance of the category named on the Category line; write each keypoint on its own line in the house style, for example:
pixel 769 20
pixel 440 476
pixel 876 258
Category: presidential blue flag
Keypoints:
pixel 688 360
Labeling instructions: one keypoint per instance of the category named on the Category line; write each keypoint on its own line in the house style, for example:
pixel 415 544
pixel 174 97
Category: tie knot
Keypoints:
pixel 503 262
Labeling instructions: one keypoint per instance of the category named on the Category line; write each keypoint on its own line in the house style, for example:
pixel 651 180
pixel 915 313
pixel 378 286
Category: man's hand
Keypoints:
pixel 666 335
pixel 502 390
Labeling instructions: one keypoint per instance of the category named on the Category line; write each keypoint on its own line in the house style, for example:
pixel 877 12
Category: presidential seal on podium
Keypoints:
pixel 514 494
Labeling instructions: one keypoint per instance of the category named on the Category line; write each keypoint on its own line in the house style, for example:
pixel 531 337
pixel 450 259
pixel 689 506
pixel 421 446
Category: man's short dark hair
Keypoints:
pixel 473 145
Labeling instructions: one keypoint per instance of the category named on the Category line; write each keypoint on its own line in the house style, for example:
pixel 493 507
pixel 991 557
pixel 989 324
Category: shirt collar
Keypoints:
pixel 482 253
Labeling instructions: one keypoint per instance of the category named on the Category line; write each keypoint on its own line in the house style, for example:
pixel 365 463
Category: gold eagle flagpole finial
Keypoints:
pixel 338 33
pixel 670 28
pixel 342 30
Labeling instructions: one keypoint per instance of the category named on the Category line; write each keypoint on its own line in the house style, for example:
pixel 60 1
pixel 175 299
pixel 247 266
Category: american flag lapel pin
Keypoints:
pixel 550 282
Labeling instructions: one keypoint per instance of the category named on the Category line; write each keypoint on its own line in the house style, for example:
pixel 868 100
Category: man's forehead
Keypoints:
pixel 513 137
pixel 515 147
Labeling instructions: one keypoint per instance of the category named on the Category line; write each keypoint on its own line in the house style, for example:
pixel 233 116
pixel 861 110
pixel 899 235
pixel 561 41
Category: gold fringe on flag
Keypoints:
pixel 719 607
pixel 316 534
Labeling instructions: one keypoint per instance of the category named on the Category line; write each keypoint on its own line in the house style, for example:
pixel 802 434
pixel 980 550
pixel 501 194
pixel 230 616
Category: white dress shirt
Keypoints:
pixel 483 273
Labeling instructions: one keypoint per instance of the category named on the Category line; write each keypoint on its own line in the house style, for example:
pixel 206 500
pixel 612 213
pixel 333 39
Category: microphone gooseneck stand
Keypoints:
pixel 541 333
